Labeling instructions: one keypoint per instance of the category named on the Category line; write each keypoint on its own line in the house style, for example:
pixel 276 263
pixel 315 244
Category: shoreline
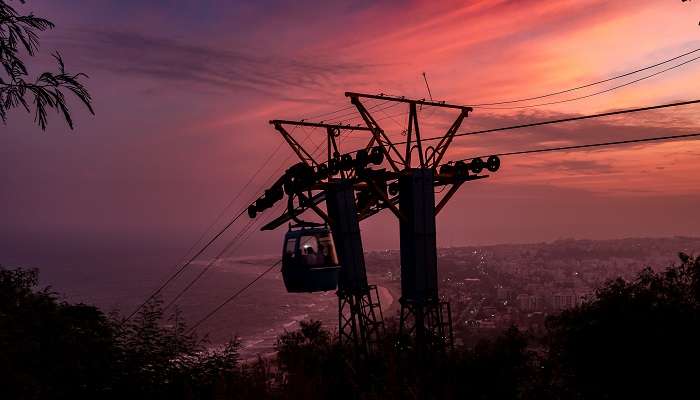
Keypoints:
pixel 389 299
pixel 386 299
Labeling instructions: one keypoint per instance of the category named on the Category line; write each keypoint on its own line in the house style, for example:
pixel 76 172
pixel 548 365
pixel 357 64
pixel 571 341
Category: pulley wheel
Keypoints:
pixel 477 165
pixel 493 163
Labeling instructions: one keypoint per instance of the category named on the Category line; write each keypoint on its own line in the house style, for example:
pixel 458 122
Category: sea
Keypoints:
pixel 256 317
pixel 105 275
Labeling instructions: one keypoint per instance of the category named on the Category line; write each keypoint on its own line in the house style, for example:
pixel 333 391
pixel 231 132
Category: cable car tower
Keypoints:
pixel 353 191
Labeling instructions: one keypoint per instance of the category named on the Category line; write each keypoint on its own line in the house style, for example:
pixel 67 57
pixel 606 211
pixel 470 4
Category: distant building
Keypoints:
pixel 528 303
pixel 489 312
pixel 565 299
pixel 504 293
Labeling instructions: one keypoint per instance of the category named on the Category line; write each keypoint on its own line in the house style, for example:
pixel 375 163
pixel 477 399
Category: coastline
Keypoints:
pixel 388 297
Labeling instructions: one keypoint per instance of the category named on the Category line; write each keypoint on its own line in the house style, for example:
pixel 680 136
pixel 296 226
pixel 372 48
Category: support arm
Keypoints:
pixel 379 135
pixel 303 155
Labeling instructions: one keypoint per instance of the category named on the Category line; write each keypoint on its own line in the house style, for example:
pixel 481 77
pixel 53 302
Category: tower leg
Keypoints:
pixel 360 320
pixel 423 316
pixel 429 324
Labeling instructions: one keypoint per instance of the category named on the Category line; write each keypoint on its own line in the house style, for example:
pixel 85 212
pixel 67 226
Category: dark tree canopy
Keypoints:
pixel 50 349
pixel 638 339
pixel 19 39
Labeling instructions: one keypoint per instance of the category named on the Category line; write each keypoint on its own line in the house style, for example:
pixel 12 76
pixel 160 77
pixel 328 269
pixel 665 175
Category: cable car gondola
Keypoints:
pixel 309 260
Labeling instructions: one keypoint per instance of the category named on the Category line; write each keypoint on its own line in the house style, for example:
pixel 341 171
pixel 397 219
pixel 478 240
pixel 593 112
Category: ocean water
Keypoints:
pixel 257 317
pixel 261 313
pixel 117 274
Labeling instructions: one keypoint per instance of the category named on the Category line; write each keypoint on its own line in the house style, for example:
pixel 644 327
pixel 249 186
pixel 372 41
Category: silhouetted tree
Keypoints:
pixel 51 349
pixel 638 339
pixel 19 34
pixel 315 366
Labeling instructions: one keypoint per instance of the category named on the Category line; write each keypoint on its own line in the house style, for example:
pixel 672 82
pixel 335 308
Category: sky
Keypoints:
pixel 183 91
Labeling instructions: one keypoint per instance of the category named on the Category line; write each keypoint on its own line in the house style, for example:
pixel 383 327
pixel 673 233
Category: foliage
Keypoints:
pixel 636 340
pixel 52 349
pixel 19 37
pixel 315 366
pixel 49 348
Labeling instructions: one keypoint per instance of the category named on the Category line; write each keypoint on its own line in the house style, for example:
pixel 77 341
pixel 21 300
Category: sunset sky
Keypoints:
pixel 184 90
